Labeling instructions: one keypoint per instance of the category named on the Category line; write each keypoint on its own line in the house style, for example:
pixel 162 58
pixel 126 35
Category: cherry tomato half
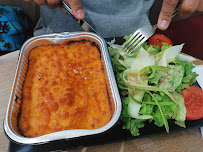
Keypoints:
pixel 157 39
pixel 193 98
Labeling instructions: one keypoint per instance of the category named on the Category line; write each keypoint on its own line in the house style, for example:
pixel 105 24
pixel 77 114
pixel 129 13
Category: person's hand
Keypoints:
pixel 76 6
pixel 187 8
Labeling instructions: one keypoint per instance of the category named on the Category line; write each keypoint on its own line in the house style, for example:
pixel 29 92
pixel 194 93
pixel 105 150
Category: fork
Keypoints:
pixel 141 35
pixel 67 8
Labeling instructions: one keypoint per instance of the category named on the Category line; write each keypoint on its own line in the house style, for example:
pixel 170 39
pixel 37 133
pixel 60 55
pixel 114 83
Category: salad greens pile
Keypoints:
pixel 150 83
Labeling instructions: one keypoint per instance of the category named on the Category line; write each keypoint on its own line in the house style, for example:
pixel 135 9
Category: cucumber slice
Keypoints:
pixel 133 111
pixel 137 95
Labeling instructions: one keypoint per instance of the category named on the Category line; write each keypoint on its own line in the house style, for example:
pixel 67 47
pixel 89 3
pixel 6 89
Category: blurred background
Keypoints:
pixel 30 9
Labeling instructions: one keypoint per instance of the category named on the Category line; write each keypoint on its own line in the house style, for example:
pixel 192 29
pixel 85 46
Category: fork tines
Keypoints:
pixel 134 42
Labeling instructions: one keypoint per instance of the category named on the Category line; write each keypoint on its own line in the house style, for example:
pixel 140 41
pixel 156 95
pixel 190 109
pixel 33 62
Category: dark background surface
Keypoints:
pixel 189 32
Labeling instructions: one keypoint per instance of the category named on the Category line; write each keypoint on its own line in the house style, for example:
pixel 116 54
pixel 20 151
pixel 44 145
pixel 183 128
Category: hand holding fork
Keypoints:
pixel 187 8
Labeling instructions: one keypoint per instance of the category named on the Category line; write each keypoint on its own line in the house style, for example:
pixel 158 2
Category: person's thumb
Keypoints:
pixel 77 8
pixel 166 13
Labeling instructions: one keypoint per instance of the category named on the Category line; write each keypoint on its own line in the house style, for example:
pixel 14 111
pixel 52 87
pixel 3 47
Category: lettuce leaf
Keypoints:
pixel 189 77
pixel 180 110
pixel 133 125
pixel 150 83
pixel 128 122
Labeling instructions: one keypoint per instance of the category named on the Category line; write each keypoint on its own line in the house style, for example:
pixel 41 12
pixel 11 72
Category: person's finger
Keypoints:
pixel 200 7
pixel 166 13
pixel 187 8
pixel 28 0
pixel 77 9
pixel 40 2
pixel 53 3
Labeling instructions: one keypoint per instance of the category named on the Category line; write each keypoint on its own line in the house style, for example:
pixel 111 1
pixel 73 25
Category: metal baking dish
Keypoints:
pixel 11 117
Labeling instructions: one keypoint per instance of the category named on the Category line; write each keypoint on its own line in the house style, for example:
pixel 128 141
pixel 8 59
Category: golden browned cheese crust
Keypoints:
pixel 64 89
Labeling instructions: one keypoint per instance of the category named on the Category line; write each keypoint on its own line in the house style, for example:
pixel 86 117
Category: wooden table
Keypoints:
pixel 183 141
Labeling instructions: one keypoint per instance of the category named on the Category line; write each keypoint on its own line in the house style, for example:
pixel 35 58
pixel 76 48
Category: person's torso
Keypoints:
pixel 110 18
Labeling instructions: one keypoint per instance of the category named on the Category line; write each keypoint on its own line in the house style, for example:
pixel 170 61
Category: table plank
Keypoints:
pixel 182 141
pixel 186 140
pixel 8 64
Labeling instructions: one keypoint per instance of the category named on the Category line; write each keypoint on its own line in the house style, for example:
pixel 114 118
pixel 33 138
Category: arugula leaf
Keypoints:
pixel 158 120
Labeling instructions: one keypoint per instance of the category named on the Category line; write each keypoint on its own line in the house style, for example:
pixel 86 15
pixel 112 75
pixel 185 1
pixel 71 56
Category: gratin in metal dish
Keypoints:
pixel 10 121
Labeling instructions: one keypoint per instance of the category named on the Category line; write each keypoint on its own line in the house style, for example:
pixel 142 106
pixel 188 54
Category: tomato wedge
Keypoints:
pixel 157 39
pixel 193 98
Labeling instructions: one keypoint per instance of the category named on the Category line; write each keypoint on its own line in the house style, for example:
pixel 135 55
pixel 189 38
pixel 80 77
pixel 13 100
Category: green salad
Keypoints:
pixel 150 83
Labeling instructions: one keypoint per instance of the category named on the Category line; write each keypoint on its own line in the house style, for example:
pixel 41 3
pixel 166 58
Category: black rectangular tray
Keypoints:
pixel 115 134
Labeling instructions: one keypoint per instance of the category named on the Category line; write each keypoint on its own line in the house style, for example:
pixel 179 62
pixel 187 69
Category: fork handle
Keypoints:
pixel 67 8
